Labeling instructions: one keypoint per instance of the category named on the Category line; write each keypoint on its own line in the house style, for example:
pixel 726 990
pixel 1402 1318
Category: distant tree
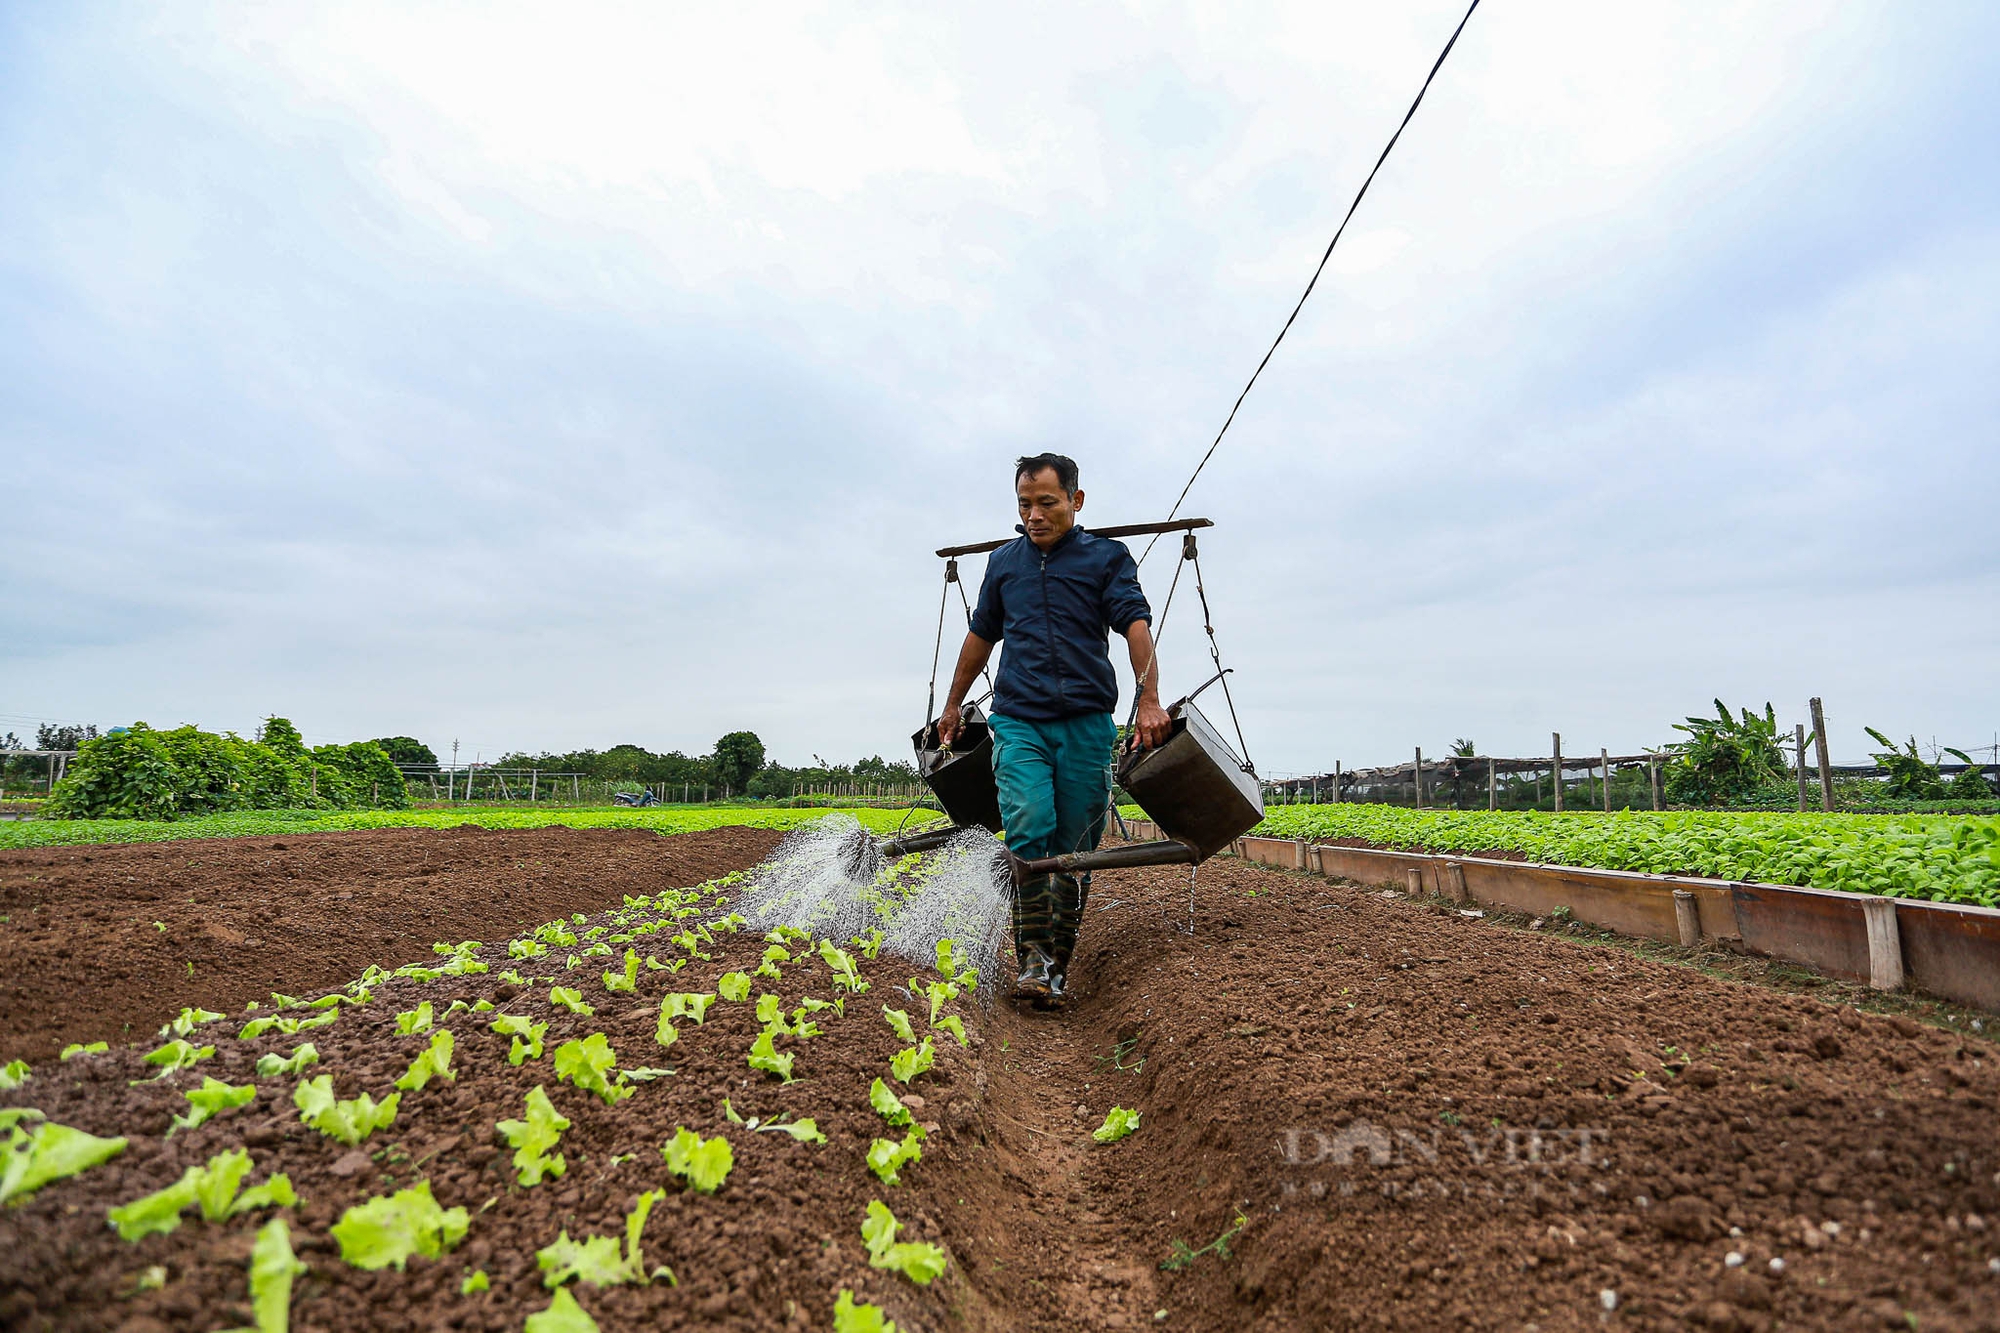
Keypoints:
pixel 1724 757
pixel 882 773
pixel 738 756
pixel 282 739
pixel 63 738
pixel 1910 777
pixel 11 742
pixel 1464 748
pixel 407 750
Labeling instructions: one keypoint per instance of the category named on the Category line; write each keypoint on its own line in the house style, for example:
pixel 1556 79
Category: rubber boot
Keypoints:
pixel 1068 894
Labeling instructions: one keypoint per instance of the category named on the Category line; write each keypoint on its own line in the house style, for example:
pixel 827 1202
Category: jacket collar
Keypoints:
pixel 1066 539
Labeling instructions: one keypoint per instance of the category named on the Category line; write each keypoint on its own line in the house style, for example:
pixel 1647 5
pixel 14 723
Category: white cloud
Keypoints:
pixel 572 376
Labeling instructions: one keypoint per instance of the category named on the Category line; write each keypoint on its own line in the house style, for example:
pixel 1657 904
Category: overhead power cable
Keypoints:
pixel 1358 196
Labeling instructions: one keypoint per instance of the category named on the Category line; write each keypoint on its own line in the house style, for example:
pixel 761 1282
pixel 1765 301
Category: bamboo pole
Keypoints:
pixel 1799 749
pixel 1556 744
pixel 1604 762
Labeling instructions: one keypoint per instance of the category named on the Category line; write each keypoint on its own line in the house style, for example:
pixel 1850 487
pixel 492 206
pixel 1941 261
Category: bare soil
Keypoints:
pixel 105 943
pixel 1423 1120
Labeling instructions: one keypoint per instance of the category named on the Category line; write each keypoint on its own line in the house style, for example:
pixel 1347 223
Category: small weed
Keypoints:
pixel 1118 1056
pixel 1183 1257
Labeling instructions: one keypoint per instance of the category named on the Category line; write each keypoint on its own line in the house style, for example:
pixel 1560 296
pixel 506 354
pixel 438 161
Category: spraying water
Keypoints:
pixel 814 882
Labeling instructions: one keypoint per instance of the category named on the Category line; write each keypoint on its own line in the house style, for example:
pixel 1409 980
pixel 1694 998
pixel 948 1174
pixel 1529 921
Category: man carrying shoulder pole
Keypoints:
pixel 1054 595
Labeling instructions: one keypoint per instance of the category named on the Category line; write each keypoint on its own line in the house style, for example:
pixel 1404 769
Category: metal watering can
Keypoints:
pixel 1193 786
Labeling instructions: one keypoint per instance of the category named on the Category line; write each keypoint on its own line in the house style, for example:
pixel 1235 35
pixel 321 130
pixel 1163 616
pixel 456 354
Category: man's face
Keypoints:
pixel 1047 510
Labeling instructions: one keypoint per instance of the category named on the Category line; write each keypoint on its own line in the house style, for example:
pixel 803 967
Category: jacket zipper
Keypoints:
pixel 1049 628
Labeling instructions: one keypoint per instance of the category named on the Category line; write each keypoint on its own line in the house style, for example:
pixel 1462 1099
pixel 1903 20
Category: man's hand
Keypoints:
pixel 1151 726
pixel 972 655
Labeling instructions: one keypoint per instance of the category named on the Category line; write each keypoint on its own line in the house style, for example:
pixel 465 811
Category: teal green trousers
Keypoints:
pixel 1055 787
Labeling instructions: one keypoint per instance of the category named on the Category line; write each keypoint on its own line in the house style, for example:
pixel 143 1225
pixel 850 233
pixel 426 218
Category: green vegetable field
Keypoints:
pixel 270 823
pixel 1946 858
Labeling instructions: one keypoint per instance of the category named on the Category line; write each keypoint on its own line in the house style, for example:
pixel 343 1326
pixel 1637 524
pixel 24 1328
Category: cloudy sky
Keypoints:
pixel 569 375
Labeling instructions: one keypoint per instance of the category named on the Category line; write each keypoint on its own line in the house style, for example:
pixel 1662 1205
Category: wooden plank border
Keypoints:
pixel 1947 949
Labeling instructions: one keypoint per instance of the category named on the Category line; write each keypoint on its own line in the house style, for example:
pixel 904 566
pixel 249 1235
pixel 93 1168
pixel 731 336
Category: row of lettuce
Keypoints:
pixel 1939 857
pixel 393 1229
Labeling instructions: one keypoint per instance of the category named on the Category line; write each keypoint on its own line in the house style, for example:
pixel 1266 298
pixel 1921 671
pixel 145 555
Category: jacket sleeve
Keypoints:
pixel 1124 602
pixel 989 613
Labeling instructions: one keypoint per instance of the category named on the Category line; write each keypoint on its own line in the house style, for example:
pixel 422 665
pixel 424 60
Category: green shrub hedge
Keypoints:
pixel 138 772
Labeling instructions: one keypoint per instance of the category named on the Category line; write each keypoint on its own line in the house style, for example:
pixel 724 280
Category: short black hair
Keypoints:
pixel 1065 469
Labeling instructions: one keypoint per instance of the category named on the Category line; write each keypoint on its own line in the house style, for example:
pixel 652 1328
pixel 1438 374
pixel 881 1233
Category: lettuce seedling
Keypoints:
pixel 214 1187
pixel 869 942
pixel 564 1315
pixel 763 1056
pixel 887 1158
pixel 630 980
pixel 518 1026
pixel 526 949
pixel 863 1318
pixel 643 1074
pixel 346 1122
pixel 805 1131
pixel 666 1034
pixel 703 1163
pixel 211 1099
pixel 907 1064
pixel 432 1062
pixel 475 1282
pixel 940 993
pixel 532 1138
pixel 889 1105
pixel 586 1064
pixel 899 1023
pixel 11 1116
pixel 188 1021
pixel 412 1021
pixel 74 1049
pixel 50 1152
pixel 845 973
pixel 176 1054
pixel 733 986
pixel 597 1260
pixel 273 1064
pixel 1118 1122
pixel 686 1004
pixel 770 1010
pixel 916 1260
pixel 273 1265
pixel 955 1025
pixel 513 978
pixel 392 1230
pixel 564 997
pixel 13 1074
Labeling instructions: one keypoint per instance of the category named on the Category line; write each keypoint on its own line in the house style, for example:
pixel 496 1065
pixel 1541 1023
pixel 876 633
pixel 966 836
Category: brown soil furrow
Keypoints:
pixel 86 961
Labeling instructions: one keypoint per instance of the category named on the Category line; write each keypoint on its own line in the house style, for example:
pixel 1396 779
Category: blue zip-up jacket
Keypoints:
pixel 1056 611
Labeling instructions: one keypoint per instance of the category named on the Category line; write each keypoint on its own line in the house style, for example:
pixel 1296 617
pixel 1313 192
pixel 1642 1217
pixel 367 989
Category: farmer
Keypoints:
pixel 1053 594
